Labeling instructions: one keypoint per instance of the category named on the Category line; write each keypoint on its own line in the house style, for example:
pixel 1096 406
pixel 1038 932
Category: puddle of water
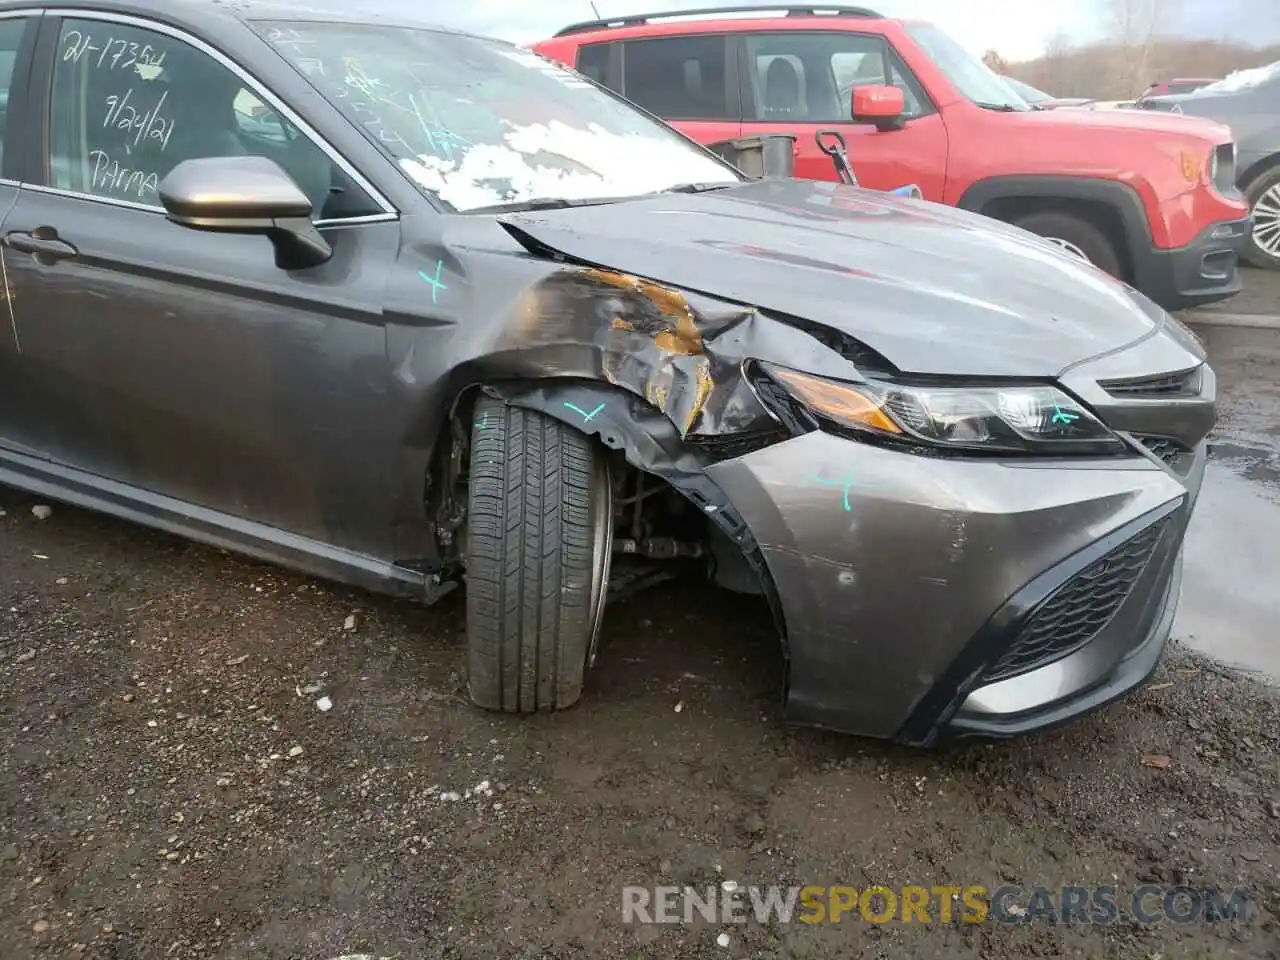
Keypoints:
pixel 1231 561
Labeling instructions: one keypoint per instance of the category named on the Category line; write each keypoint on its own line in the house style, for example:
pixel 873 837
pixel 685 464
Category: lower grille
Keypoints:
pixel 1078 610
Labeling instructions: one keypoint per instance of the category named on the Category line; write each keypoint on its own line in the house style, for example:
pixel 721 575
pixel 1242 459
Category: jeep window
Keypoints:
pixel 481 123
pixel 1026 91
pixel 678 78
pixel 973 78
pixel 593 61
pixel 810 77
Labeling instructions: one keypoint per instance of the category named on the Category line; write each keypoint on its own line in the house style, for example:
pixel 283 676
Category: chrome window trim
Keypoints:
pixel 389 212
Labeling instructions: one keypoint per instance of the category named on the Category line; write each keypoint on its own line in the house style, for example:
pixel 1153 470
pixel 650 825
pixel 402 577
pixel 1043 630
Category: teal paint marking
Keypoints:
pixel 1061 416
pixel 845 485
pixel 436 284
pixel 483 422
pixel 586 417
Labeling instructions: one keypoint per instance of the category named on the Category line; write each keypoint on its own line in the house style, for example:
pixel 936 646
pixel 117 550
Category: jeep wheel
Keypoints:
pixel 1076 235
pixel 1263 248
pixel 539 542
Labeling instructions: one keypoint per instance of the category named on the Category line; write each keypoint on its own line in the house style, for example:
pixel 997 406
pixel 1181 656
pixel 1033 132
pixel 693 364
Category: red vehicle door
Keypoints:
pixel 800 82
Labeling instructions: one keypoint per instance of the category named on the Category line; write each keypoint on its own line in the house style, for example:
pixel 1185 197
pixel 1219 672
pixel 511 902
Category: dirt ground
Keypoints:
pixel 170 788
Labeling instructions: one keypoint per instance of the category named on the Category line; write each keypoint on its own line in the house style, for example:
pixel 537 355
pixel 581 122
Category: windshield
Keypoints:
pixel 1243 79
pixel 1026 91
pixel 480 123
pixel 973 78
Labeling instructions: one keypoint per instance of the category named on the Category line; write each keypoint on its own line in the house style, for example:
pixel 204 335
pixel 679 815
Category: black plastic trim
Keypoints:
pixel 937 706
pixel 641 19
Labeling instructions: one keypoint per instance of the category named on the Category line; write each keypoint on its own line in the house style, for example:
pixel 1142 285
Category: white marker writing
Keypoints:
pixel 110 177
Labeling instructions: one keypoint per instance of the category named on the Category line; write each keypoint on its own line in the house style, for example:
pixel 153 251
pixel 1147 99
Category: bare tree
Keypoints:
pixel 1054 65
pixel 1138 25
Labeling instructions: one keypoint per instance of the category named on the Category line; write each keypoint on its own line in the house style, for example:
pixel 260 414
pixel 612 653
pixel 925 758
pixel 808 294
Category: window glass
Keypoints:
pixel 131 104
pixel 677 78
pixel 810 77
pixel 593 61
pixel 11 32
pixel 973 78
pixel 481 123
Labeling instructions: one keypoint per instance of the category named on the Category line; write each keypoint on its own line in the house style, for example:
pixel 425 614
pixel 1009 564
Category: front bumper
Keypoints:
pixel 1204 271
pixel 929 598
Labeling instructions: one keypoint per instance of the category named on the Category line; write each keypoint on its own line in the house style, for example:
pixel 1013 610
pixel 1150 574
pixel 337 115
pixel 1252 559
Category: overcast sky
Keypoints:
pixel 1016 28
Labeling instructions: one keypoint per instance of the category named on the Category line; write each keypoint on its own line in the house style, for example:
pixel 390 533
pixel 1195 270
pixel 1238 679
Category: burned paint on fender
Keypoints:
pixel 651 340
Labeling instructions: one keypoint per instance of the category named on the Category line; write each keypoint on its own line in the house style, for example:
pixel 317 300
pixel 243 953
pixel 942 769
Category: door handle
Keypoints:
pixel 43 247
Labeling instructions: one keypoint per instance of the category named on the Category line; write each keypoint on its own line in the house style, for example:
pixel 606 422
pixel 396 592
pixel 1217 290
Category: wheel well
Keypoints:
pixel 1258 169
pixel 1102 215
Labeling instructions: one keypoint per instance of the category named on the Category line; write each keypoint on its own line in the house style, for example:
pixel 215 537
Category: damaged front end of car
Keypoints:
pixel 914 532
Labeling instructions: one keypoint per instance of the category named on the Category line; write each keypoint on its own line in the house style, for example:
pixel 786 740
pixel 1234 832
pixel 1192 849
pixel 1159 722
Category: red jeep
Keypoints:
pixel 1148 197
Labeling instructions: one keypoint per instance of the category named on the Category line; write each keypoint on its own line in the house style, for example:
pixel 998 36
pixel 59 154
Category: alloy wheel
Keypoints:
pixel 1266 222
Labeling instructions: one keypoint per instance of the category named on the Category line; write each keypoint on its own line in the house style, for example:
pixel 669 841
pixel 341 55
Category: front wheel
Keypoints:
pixel 1075 235
pixel 539 542
pixel 1263 195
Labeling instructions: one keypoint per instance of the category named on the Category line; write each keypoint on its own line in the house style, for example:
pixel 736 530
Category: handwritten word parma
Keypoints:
pixel 112 54
pixel 148 124
pixel 110 176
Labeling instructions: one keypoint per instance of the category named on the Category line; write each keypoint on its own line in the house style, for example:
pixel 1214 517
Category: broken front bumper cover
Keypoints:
pixel 927 599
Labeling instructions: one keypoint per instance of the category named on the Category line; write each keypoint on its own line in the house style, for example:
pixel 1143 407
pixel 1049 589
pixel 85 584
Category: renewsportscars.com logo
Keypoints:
pixel 1101 905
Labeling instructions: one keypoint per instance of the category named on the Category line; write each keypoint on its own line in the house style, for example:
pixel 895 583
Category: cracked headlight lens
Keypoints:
pixel 1031 418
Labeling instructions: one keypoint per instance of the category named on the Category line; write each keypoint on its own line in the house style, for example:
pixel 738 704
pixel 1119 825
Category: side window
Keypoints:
pixel 678 78
pixel 11 32
pixel 130 104
pixel 810 77
pixel 593 61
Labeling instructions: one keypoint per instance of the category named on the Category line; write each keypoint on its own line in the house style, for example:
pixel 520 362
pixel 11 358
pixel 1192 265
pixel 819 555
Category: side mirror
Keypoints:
pixel 246 195
pixel 879 104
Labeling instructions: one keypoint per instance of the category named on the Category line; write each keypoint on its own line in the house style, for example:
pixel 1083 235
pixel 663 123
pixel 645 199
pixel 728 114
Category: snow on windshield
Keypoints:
pixel 594 163
pixel 483 124
pixel 1241 79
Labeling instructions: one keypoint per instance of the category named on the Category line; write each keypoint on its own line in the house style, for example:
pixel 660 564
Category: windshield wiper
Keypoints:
pixel 699 187
pixel 545 203
pixel 999 107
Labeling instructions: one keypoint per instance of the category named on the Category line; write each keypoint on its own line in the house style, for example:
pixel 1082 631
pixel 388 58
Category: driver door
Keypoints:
pixel 802 82
pixel 184 364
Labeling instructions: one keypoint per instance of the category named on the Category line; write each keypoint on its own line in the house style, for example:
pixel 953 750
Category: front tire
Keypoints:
pixel 1263 196
pixel 1070 231
pixel 539 541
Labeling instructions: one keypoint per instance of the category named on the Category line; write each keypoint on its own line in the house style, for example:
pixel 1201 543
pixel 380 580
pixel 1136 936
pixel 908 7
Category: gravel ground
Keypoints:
pixel 170 786
pixel 210 758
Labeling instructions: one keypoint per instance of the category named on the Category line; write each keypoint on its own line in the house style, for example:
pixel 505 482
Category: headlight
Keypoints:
pixel 1007 419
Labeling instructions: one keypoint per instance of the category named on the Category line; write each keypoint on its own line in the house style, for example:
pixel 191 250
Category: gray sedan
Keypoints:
pixel 462 317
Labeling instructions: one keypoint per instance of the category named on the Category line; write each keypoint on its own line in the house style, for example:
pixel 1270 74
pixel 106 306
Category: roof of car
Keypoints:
pixel 825 12
pixel 329 11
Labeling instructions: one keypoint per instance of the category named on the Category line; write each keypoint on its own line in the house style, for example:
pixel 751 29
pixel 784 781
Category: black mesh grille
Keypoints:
pixel 1173 453
pixel 1078 610
pixel 1184 383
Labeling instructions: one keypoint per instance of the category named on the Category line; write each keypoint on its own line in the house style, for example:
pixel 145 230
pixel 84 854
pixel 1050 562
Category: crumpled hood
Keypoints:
pixel 934 289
